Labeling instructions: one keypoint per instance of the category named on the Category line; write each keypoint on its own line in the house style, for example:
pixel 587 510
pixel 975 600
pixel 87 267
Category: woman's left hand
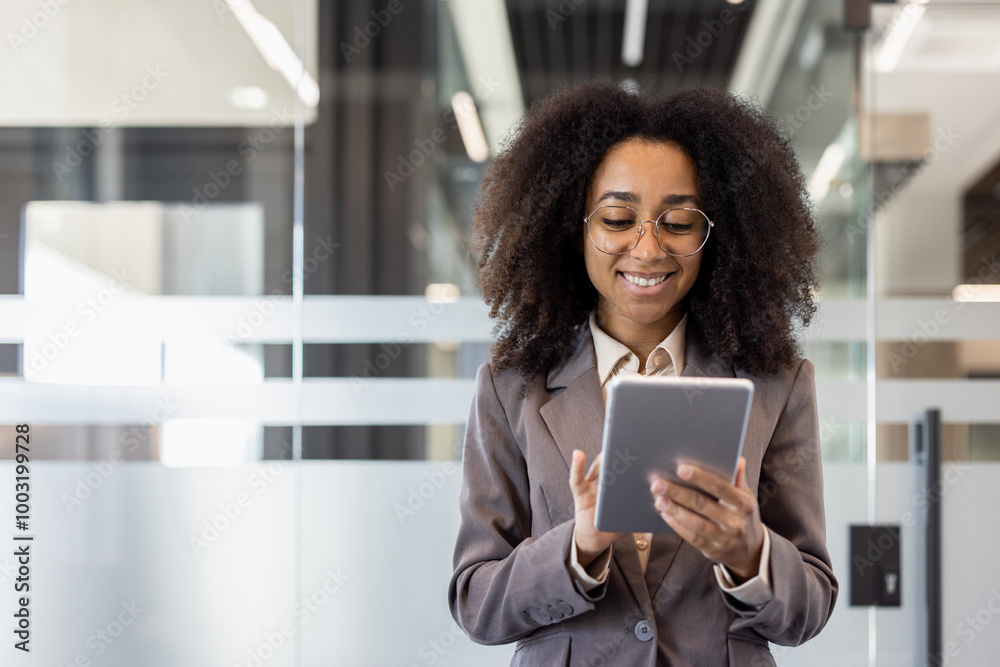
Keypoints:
pixel 727 530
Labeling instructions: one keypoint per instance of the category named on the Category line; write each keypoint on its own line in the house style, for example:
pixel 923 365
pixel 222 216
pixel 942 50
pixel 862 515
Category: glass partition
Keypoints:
pixel 240 321
pixel 149 192
pixel 932 141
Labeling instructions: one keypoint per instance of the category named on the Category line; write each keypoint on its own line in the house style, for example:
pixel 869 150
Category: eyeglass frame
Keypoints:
pixel 656 229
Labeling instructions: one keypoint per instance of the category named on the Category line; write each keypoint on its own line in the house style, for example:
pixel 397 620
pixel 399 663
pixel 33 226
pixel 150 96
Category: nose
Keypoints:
pixel 648 249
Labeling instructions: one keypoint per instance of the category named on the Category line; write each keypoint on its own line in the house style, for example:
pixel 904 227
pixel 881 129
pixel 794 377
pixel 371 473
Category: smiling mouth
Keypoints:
pixel 646 282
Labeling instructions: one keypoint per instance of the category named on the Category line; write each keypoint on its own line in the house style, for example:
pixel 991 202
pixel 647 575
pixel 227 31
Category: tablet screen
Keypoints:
pixel 651 426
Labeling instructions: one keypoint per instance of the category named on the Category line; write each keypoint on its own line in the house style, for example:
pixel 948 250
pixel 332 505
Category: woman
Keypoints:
pixel 618 234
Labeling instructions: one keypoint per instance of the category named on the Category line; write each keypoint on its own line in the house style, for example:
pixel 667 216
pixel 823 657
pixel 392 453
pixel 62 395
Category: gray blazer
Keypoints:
pixel 511 581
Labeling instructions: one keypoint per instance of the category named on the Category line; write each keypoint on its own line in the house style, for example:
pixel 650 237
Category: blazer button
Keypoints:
pixel 565 607
pixel 643 631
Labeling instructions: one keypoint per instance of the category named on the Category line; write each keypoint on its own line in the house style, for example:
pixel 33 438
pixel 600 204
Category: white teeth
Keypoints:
pixel 642 282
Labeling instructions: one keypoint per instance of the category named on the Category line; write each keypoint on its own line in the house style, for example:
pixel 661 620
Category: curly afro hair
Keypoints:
pixel 756 278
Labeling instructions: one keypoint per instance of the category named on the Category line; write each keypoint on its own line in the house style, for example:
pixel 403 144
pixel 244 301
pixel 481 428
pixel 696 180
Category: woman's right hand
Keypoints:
pixel 590 542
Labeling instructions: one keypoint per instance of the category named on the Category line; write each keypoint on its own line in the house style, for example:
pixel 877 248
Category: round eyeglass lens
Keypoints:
pixel 616 230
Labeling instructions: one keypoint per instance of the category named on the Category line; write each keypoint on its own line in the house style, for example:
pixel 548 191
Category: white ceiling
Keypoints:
pixel 73 70
pixel 949 69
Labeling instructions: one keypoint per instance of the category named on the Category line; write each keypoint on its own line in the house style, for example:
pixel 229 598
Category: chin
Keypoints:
pixel 647 316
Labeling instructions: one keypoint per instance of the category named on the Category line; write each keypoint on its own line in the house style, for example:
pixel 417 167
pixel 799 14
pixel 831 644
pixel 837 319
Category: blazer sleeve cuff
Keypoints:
pixel 754 592
pixel 554 598
pixel 803 598
pixel 595 574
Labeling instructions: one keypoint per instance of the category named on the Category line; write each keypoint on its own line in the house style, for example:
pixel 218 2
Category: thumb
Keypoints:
pixel 741 475
pixel 576 469
pixel 595 468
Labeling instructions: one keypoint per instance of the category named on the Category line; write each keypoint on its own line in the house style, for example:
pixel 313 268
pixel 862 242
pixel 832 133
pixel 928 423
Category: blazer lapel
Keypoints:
pixel 664 547
pixel 575 418
pixel 626 558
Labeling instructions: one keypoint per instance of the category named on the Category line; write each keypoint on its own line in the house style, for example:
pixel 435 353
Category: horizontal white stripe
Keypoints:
pixel 901 401
pixel 274 402
pixel 265 319
pixel 343 401
pixel 359 319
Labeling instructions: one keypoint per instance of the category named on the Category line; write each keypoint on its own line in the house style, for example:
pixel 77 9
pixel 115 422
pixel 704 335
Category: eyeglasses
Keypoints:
pixel 616 230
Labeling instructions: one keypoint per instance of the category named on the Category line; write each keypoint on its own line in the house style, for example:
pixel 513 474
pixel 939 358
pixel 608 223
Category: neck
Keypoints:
pixel 641 339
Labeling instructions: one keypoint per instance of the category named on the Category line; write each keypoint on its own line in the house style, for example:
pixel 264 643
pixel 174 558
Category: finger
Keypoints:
pixel 657 485
pixel 701 504
pixel 717 486
pixel 741 475
pixel 682 530
pixel 576 468
pixel 595 468
pixel 693 529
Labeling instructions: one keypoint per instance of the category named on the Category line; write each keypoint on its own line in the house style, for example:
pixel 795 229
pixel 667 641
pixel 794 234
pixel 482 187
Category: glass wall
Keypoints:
pixel 150 193
pixel 239 318
pixel 931 135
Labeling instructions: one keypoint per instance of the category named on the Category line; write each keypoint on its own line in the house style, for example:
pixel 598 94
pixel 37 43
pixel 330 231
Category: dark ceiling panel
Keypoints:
pixel 563 43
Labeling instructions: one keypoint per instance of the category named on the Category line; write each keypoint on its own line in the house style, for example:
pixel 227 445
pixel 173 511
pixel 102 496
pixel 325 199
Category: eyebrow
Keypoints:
pixel 632 198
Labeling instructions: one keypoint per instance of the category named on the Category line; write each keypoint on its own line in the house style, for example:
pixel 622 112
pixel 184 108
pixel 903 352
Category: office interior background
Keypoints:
pixel 240 319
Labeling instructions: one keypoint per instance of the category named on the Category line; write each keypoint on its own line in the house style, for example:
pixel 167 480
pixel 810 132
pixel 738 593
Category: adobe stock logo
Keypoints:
pixel 30 26
pixel 424 491
pixel 372 29
pixel 121 108
pixel 566 9
pixel 623 461
pixel 88 309
pixel 695 46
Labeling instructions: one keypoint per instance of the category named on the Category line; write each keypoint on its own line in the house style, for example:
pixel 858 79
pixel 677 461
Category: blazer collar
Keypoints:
pixel 581 359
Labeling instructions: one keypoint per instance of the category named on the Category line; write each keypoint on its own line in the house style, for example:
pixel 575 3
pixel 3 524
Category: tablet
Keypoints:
pixel 651 426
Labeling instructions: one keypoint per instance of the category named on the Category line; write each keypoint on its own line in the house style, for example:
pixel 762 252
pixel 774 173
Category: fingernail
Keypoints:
pixel 684 470
pixel 659 486
pixel 662 504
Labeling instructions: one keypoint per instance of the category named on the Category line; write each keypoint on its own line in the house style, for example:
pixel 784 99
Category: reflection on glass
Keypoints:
pixel 83 261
